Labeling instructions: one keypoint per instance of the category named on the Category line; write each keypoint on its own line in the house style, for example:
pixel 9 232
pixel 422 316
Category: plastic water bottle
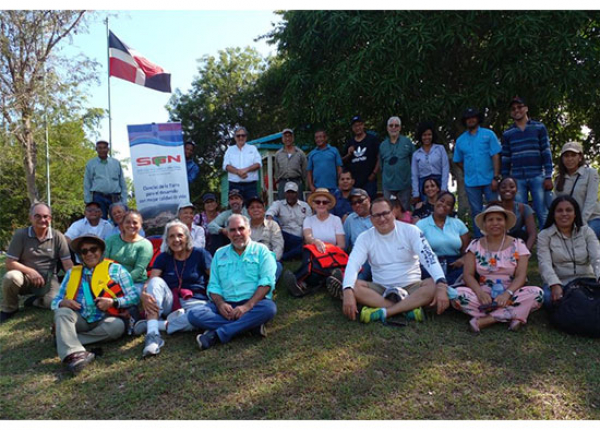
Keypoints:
pixel 497 289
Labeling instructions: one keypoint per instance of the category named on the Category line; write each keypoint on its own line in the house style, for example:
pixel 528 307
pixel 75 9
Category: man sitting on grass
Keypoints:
pixel 241 285
pixel 393 249
pixel 84 311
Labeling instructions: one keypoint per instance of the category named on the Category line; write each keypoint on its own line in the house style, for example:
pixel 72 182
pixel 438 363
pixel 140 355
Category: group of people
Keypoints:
pixel 385 256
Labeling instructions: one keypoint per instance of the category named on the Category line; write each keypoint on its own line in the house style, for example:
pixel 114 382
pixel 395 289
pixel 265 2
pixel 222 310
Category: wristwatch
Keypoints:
pixel 115 303
pixel 497 178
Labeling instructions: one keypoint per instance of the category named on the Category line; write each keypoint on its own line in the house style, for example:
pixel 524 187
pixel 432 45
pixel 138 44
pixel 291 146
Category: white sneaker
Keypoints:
pixel 153 344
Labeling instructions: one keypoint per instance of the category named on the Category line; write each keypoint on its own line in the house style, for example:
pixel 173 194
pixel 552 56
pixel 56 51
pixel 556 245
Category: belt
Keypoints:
pixel 290 179
pixel 106 195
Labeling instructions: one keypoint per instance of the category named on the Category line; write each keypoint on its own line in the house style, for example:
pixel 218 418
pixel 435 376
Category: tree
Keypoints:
pixel 231 89
pixel 28 43
pixel 433 64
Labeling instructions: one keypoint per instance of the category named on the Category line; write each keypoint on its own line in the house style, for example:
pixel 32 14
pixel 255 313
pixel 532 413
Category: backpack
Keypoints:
pixel 578 312
pixel 316 266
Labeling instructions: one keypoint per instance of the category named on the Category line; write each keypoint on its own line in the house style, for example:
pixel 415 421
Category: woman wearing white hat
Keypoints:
pixel 499 293
pixel 579 181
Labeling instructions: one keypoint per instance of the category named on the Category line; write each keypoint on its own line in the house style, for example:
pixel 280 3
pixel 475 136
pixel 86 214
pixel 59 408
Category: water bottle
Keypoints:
pixel 497 289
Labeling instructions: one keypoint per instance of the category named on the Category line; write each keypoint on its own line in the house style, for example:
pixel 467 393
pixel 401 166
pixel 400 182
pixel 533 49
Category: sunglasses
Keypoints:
pixel 92 249
pixel 357 202
pixel 381 214
pixel 321 202
pixel 241 135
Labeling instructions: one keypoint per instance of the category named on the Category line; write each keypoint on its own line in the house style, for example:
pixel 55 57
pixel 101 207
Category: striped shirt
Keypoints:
pixel 526 153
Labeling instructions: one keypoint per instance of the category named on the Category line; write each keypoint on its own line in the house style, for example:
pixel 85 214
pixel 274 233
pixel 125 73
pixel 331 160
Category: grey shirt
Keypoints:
pixel 290 166
pixel 291 218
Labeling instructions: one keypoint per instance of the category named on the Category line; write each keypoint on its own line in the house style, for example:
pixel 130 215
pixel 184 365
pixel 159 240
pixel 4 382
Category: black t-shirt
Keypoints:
pixel 363 161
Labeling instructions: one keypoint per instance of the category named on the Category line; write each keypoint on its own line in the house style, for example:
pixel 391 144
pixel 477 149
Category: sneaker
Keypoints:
pixel 334 284
pixel 5 316
pixel 287 280
pixel 207 339
pixel 140 327
pixel 261 331
pixel 153 344
pixel 78 360
pixel 416 315
pixel 368 315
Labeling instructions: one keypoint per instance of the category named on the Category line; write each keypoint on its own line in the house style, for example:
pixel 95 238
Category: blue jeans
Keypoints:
pixel 208 318
pixel 594 224
pixel 105 200
pixel 248 189
pixel 475 196
pixel 535 187
pixel 371 188
pixel 292 246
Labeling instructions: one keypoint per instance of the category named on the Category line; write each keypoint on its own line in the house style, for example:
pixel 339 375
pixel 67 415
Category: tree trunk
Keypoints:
pixel 29 160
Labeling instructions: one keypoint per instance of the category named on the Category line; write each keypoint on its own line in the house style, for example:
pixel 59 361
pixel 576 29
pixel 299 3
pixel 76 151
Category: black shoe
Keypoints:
pixel 287 280
pixel 29 301
pixel 207 339
pixel 5 316
pixel 334 284
pixel 261 331
pixel 298 289
pixel 78 360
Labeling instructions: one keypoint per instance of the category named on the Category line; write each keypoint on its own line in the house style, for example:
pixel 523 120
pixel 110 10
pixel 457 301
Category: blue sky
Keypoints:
pixel 174 40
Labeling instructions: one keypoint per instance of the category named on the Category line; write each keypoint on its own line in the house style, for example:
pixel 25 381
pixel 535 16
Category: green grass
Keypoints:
pixel 315 364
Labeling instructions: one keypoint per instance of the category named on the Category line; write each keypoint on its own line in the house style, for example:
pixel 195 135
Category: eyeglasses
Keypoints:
pixel 381 214
pixel 241 135
pixel 92 249
pixel 357 202
pixel 517 107
pixel 38 216
pixel 240 229
pixel 321 202
pixel 393 125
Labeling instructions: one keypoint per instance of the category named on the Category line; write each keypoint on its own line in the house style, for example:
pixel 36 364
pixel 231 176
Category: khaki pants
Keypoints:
pixel 73 331
pixel 15 284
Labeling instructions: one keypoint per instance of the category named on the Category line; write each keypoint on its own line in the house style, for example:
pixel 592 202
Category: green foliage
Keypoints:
pixel 226 93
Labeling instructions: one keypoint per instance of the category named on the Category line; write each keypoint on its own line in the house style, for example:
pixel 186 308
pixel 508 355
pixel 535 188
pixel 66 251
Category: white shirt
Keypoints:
pixel 394 257
pixel 240 159
pixel 325 230
pixel 83 226
pixel 198 236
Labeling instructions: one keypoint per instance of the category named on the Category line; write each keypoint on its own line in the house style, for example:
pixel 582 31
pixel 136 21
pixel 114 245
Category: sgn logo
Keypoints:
pixel 158 160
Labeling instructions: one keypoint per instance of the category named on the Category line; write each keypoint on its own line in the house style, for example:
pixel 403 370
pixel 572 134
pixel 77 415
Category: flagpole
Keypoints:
pixel 108 75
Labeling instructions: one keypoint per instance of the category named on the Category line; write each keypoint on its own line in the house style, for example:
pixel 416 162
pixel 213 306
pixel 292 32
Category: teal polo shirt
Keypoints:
pixel 444 242
pixel 395 163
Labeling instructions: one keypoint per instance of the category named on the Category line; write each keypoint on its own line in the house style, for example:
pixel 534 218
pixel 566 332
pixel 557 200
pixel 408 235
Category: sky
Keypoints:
pixel 174 40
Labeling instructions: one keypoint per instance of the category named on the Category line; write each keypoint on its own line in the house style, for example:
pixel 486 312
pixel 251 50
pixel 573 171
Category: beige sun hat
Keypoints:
pixel 322 192
pixel 511 219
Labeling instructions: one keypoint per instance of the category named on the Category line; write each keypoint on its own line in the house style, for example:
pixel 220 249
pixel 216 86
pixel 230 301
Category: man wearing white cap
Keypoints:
pixel 290 213
pixel 185 213
pixel 290 164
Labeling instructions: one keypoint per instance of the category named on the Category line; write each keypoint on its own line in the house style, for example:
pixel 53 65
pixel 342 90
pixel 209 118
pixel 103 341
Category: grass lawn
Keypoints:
pixel 315 364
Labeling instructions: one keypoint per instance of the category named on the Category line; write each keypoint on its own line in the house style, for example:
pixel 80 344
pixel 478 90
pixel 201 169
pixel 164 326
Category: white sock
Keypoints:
pixel 384 310
pixel 152 327
pixel 162 325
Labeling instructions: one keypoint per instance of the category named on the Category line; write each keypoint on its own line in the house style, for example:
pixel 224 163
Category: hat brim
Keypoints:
pixel 331 197
pixel 76 243
pixel 479 116
pixel 511 219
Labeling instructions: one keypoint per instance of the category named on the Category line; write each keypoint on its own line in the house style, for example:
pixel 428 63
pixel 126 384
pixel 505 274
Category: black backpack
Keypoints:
pixel 578 312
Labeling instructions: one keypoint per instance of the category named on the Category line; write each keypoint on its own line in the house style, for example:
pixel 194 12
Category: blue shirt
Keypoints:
pixel 237 277
pixel 323 164
pixel 395 163
pixel 342 204
pixel 444 242
pixel 476 152
pixel 354 226
pixel 192 170
pixel 526 153
pixel 192 271
pixel 434 163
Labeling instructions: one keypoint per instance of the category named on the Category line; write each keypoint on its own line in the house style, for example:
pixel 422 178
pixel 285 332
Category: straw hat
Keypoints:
pixel 322 192
pixel 76 243
pixel 511 219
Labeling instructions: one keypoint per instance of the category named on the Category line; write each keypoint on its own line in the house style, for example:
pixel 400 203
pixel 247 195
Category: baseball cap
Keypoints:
pixel 356 118
pixel 235 192
pixel 208 196
pixel 517 99
pixel 572 147
pixel 185 205
pixel 358 192
pixel 287 130
pixel 291 186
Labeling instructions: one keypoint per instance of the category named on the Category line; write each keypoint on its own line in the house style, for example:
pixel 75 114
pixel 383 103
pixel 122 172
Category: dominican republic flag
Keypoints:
pixel 127 64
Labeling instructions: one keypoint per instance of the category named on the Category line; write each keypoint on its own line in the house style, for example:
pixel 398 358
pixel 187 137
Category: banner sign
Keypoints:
pixel 159 172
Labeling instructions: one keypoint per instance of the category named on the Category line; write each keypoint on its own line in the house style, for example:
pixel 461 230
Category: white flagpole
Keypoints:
pixel 108 76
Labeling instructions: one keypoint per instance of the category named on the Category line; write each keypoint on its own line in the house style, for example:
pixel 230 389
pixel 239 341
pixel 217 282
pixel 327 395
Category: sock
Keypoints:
pixel 152 327
pixel 162 325
pixel 379 315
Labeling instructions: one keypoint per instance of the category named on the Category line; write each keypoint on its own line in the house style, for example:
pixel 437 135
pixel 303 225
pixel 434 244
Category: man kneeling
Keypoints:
pixel 87 306
pixel 242 280
pixel 393 249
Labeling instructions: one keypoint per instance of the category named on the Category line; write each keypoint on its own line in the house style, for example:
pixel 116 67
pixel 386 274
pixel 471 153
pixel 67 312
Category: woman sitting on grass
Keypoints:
pixel 447 236
pixel 495 271
pixel 566 248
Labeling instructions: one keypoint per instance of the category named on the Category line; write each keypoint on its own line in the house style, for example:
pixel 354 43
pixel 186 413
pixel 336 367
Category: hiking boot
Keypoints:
pixel 78 360
pixel 140 327
pixel 261 331
pixel 153 344
pixel 298 288
pixel 334 284
pixel 30 301
pixel 5 316
pixel 368 315
pixel 287 280
pixel 207 339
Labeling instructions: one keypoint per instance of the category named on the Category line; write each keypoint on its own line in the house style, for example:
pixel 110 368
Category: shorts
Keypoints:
pixel 392 292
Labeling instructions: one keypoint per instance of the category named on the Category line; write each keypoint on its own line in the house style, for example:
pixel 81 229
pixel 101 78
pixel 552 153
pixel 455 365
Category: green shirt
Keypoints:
pixel 104 176
pixel 133 256
pixel 395 163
